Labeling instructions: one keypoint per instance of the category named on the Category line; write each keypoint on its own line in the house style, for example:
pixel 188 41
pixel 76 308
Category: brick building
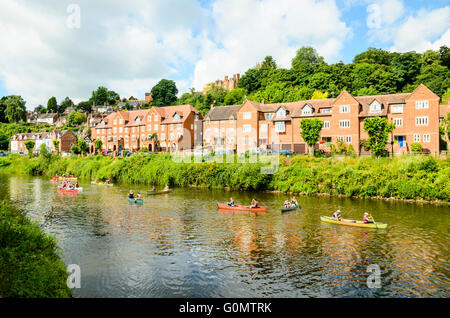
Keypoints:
pixel 277 126
pixel 170 128
pixel 66 138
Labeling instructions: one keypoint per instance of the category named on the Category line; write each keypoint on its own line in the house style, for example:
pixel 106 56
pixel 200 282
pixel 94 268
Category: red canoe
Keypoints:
pixel 68 191
pixel 224 206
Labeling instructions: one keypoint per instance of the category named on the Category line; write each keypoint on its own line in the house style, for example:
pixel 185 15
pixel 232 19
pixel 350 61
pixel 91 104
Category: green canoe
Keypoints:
pixel 283 209
pixel 135 201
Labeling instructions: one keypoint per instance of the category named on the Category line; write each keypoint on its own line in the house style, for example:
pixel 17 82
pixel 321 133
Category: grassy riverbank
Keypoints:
pixel 30 266
pixel 407 177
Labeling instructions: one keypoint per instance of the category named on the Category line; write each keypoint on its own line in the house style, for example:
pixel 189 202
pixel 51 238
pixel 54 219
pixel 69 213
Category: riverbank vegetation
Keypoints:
pixel 405 177
pixel 30 265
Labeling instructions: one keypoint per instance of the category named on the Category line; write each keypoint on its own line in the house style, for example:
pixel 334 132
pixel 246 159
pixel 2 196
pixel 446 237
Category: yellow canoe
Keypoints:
pixel 376 225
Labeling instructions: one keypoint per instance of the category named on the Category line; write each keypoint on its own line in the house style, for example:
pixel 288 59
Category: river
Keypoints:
pixel 180 245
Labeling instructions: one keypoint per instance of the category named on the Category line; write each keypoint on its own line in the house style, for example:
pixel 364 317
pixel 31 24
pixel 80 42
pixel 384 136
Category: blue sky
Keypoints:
pixel 57 50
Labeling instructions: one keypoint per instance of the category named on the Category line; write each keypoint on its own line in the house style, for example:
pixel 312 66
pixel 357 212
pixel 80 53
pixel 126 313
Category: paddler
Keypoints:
pixel 367 218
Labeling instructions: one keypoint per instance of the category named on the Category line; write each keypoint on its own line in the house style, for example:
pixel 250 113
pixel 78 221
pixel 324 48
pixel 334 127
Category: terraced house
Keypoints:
pixel 277 126
pixel 171 128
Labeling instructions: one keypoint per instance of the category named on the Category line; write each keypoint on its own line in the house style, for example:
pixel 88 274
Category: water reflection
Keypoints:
pixel 180 245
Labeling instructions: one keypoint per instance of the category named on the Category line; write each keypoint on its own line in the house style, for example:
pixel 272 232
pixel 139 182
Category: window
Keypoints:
pixel 375 107
pixel 231 131
pixel 421 104
pixel 281 113
pixel 115 121
pixel 156 117
pixel 133 138
pixel 243 141
pixel 422 121
pixel 98 131
pixel 307 110
pixel 247 115
pixel 143 128
pixel 416 137
pixel 121 121
pixel 155 127
pixel 280 126
pixel 149 127
pixel 172 136
pixel 216 130
pixel 348 139
pixel 142 137
pixel 340 138
pixel 231 121
pixel 326 124
pixel 326 110
pixel 178 126
pixel 115 129
pixel 176 117
pixel 149 118
pixel 114 138
pixel 222 130
pixel 344 109
pixel 163 137
pixel 397 109
pixel 344 124
pixel 269 116
pixel 171 126
pixel 250 141
pixel 426 138
pixel 120 129
pixel 246 128
pixel 192 126
pixel 264 128
pixel 137 120
pixel 398 122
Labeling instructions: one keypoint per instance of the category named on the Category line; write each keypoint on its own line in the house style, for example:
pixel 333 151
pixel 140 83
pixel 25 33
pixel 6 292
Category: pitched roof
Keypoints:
pixel 182 110
pixel 223 112
pixel 384 100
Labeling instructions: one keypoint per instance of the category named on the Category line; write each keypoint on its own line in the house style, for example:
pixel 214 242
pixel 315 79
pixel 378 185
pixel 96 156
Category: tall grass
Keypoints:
pixel 406 177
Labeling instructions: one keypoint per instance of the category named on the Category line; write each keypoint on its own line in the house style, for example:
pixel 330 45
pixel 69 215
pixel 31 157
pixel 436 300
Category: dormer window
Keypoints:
pixel 281 113
pixel 137 120
pixel 307 110
pixel 176 116
pixel 269 116
pixel 375 107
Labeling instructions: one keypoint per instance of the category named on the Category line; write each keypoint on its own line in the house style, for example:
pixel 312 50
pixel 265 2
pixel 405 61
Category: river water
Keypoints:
pixel 180 245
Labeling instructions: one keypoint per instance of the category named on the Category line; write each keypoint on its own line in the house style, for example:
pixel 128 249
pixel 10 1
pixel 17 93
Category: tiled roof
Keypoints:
pixel 384 100
pixel 223 112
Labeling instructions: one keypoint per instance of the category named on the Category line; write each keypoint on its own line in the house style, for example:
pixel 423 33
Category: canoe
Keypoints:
pixel 376 225
pixel 224 206
pixel 68 191
pixel 102 183
pixel 68 178
pixel 283 209
pixel 159 192
pixel 135 201
pixel 79 189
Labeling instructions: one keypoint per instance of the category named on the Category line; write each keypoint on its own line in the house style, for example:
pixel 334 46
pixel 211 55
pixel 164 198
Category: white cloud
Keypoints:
pixel 427 30
pixel 248 30
pixel 126 46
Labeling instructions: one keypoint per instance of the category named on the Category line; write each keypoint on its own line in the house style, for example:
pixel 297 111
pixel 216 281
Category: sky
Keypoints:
pixel 68 48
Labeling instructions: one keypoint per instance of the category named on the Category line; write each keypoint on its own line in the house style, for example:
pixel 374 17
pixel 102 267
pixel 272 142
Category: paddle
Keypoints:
pixel 373 220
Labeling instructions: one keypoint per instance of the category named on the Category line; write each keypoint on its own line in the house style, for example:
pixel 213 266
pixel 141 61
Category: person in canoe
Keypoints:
pixel 287 204
pixel 138 196
pixel 166 188
pixel 153 189
pixel 108 181
pixel 294 202
pixel 231 203
pixel 255 204
pixel 131 194
pixel 367 218
pixel 337 215
pixel 77 185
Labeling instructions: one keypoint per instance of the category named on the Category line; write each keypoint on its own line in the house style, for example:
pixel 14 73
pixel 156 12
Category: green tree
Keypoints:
pixel 15 110
pixel 66 103
pixel 98 144
pixel 83 147
pixel 416 147
pixel 378 129
pixel 99 96
pixel 235 96
pixel 30 146
pixel 374 56
pixel 164 93
pixel 306 57
pixel 52 105
pixel 84 106
pixel 43 151
pixel 2 109
pixel 56 145
pixel 310 131
pixel 75 118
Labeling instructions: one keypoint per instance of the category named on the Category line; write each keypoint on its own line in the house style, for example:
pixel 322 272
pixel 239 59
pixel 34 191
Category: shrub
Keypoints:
pixel 416 147
pixel 30 265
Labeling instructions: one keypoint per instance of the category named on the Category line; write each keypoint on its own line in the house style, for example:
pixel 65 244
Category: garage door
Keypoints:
pixel 300 148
